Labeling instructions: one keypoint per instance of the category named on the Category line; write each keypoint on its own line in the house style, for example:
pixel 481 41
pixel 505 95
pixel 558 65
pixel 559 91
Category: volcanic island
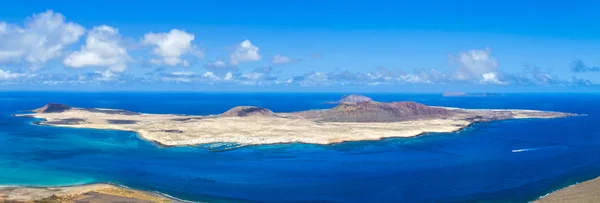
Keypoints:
pixel 354 118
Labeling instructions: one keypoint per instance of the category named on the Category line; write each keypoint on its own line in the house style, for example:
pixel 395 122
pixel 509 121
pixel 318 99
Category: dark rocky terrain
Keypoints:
pixel 52 108
pixel 242 111
pixel 66 121
pixel 372 111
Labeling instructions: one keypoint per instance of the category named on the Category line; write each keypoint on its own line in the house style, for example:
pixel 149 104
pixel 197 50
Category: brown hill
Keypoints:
pixel 382 112
pixel 52 108
pixel 242 111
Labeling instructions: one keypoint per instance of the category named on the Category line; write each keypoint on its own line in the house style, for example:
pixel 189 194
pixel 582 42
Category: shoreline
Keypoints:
pixel 40 123
pixel 142 137
pixel 158 144
pixel 89 191
pixel 250 126
pixel 586 191
pixel 172 130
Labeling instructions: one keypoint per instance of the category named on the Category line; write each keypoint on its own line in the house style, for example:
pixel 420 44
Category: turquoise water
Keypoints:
pixel 515 160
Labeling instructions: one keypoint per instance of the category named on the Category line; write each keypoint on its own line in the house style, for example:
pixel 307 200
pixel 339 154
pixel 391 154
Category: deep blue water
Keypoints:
pixel 476 164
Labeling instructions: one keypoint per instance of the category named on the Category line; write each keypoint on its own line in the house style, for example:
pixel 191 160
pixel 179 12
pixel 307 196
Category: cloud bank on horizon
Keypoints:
pixel 48 39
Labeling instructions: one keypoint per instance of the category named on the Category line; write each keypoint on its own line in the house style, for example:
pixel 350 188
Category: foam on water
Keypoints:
pixel 536 148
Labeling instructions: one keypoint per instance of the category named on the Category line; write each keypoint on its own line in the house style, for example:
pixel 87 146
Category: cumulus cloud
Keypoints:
pixel 578 66
pixel 280 60
pixel 376 77
pixel 171 46
pixel 478 65
pixel 8 75
pixel 213 77
pixel 183 73
pixel 490 78
pixel 103 48
pixel 245 52
pixel 580 81
pixel 220 74
pixel 313 78
pixel 43 37
pixel 532 75
pixel 179 76
pixel 218 64
pixel 253 75
pixel 220 68
pixel 540 76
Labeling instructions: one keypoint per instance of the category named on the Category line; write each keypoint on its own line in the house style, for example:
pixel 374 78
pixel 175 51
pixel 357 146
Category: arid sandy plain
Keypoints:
pixel 254 125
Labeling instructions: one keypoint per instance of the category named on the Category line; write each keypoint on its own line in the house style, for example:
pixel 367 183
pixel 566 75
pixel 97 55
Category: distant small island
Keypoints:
pixel 355 118
pixel 464 94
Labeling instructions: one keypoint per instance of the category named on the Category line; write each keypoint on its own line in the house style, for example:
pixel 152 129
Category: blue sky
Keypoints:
pixel 394 46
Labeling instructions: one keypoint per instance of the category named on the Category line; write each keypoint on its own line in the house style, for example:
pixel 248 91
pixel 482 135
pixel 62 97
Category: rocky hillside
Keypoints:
pixel 371 111
pixel 52 108
pixel 242 111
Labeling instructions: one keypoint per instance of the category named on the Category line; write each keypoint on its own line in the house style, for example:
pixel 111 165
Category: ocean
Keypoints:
pixel 503 161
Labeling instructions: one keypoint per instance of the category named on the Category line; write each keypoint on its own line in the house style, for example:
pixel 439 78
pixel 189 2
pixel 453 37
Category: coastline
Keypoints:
pixel 170 130
pixel 159 144
pixel 586 191
pixel 276 128
pixel 95 192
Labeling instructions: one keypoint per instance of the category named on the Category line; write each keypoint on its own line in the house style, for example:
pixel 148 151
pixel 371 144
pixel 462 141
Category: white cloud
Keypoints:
pixel 315 78
pixel 228 76
pixel 217 65
pixel 177 79
pixel 43 37
pixel 410 78
pixel 473 64
pixel 279 60
pixel 11 55
pixel 106 75
pixel 210 75
pixel 103 48
pixel 214 77
pixel 7 75
pixel 171 46
pixel 245 52
pixel 183 73
pixel 221 69
pixel 252 76
pixel 490 78
pixel 3 27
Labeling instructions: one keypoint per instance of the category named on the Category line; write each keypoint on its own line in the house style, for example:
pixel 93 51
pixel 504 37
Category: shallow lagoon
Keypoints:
pixel 516 160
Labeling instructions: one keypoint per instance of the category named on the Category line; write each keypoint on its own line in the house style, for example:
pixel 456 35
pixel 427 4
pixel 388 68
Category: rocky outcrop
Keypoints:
pixel 52 108
pixel 242 111
pixel 371 111
pixel 354 99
